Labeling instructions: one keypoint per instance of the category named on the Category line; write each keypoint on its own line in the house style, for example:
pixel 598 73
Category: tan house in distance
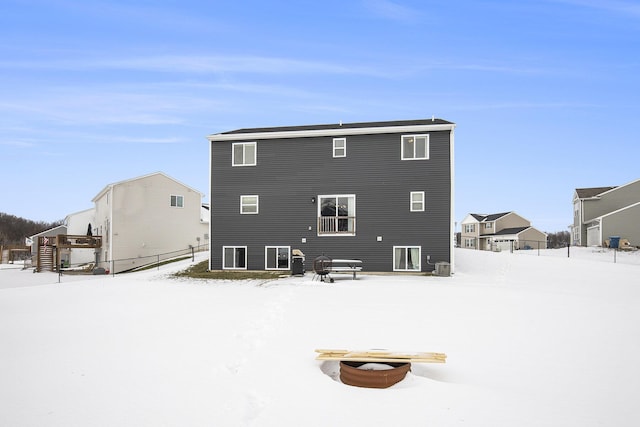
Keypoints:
pixel 501 231
pixel 142 218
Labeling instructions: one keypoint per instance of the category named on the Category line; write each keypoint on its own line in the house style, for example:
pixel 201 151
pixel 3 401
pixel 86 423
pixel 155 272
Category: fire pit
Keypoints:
pixel 373 375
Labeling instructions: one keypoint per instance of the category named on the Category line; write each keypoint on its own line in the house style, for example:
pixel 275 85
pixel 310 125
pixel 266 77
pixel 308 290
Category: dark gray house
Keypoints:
pixel 381 192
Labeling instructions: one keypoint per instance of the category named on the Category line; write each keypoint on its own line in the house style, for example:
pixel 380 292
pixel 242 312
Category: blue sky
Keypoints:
pixel 545 94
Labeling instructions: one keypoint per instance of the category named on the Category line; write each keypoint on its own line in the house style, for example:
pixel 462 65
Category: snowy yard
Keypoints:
pixel 531 341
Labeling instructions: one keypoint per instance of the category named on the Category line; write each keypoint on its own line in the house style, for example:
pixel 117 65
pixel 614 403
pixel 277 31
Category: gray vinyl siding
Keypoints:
pixel 624 223
pixel 289 172
pixel 612 200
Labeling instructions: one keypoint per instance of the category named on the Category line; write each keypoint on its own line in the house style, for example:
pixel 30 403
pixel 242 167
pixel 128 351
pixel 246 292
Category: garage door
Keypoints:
pixel 503 245
pixel 593 236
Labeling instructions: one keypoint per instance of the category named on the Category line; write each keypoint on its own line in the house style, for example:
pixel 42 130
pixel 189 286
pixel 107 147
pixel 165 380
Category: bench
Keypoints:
pixel 346 266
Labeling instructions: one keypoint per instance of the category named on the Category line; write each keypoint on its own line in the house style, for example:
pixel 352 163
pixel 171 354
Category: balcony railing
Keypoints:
pixel 78 241
pixel 334 225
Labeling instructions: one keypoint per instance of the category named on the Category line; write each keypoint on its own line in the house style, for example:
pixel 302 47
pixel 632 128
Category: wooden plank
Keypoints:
pixel 380 356
pixel 389 356
pixel 381 359
pixel 381 353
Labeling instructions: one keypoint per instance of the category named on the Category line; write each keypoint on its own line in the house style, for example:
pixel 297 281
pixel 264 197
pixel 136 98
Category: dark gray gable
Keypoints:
pixel 586 193
pixel 513 230
pixel 493 217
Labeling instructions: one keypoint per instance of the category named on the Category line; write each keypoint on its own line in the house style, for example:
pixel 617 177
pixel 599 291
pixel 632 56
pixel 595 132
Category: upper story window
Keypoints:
pixel 469 228
pixel 488 225
pixel 417 201
pixel 415 147
pixel 339 147
pixel 177 201
pixel 249 204
pixel 244 154
pixel 337 215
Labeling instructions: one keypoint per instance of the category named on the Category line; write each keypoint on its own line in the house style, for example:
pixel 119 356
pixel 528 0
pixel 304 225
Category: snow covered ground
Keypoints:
pixel 531 340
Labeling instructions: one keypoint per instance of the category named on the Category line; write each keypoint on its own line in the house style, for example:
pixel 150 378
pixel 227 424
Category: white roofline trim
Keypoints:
pixel 618 187
pixel 48 230
pixel 328 132
pixel 108 186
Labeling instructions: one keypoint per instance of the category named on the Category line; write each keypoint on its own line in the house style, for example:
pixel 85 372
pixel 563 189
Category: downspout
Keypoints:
pixel 210 204
pixel 452 236
pixel 111 201
pixel 581 223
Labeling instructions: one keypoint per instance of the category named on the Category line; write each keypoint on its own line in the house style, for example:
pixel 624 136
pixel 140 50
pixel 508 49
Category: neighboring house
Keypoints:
pixel 45 255
pixel 78 224
pixel 501 231
pixel 601 212
pixel 142 218
pixel 381 192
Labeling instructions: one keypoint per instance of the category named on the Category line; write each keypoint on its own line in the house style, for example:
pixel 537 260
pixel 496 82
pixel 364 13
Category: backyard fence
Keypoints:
pixel 113 266
pixel 124 265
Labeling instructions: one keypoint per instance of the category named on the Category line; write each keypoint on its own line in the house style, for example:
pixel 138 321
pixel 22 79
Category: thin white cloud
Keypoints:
pixel 523 105
pixel 625 7
pixel 391 10
pixel 16 143
pixel 192 64
pixel 199 65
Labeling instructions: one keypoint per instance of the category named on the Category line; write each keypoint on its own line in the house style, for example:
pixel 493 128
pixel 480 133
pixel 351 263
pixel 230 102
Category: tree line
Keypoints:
pixel 558 240
pixel 13 229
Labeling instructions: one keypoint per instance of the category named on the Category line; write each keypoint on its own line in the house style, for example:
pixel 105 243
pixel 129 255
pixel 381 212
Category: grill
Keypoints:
pixel 322 268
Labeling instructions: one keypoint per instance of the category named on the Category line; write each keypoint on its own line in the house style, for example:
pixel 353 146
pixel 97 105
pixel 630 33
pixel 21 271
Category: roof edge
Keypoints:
pixel 339 130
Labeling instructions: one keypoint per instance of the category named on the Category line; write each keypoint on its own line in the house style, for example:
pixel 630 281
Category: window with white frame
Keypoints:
pixel 339 147
pixel 469 228
pixel 415 147
pixel 249 204
pixel 417 201
pixel 337 214
pixel 244 154
pixel 234 257
pixel 406 258
pixel 488 225
pixel 277 257
pixel 469 243
pixel 177 201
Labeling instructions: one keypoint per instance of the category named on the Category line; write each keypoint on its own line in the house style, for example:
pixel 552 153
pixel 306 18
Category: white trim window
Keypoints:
pixel 469 243
pixel 249 204
pixel 337 215
pixel 244 154
pixel 417 201
pixel 415 147
pixel 234 257
pixel 406 258
pixel 339 147
pixel 177 201
pixel 469 228
pixel 488 226
pixel 277 257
